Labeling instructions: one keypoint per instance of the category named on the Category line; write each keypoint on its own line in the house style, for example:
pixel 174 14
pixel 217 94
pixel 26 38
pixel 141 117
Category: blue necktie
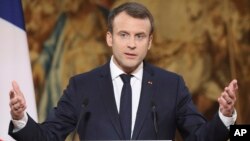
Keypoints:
pixel 126 106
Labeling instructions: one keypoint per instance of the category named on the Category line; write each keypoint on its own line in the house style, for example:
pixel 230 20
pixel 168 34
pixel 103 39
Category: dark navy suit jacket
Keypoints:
pixel 173 105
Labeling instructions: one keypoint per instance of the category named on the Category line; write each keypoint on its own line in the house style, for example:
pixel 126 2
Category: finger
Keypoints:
pixel 223 104
pixel 14 100
pixel 230 94
pixel 18 102
pixel 22 104
pixel 12 94
pixel 16 106
pixel 229 100
pixel 233 85
pixel 225 96
pixel 16 88
pixel 228 103
pixel 19 111
pixel 222 101
pixel 22 108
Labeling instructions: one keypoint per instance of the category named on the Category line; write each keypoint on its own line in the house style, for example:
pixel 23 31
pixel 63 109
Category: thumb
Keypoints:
pixel 16 87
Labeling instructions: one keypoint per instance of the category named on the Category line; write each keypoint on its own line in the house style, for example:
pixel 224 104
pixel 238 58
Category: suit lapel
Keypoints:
pixel 148 85
pixel 107 94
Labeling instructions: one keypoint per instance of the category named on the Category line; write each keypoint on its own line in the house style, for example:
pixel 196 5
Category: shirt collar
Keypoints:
pixel 116 71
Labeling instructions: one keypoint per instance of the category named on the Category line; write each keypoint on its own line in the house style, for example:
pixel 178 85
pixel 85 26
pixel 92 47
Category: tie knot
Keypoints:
pixel 125 78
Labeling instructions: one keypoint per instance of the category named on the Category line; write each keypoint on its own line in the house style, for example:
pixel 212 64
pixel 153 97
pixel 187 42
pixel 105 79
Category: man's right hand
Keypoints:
pixel 17 102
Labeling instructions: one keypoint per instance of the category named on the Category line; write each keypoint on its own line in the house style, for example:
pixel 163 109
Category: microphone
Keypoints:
pixel 153 106
pixel 82 113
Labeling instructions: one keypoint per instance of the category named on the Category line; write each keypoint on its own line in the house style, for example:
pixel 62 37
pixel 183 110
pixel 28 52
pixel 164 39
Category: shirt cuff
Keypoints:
pixel 227 121
pixel 20 124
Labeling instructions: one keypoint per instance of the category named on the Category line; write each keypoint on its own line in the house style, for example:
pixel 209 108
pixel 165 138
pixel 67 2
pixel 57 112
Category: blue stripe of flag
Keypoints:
pixel 11 10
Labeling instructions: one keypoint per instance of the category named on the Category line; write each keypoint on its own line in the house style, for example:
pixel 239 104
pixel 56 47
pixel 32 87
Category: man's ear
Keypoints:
pixel 109 39
pixel 150 41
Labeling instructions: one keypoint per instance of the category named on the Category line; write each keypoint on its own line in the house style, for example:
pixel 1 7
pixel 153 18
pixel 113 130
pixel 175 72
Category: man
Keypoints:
pixel 158 100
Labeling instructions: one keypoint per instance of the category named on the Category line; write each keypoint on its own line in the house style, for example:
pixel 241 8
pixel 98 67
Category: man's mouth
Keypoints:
pixel 130 55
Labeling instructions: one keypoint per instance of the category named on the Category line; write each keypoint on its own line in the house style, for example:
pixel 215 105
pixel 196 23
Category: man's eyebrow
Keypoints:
pixel 140 33
pixel 122 31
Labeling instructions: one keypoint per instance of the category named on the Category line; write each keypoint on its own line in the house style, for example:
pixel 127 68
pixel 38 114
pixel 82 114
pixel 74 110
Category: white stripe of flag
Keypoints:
pixel 14 62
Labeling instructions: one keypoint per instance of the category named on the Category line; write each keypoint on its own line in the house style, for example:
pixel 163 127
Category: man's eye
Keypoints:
pixel 140 37
pixel 123 35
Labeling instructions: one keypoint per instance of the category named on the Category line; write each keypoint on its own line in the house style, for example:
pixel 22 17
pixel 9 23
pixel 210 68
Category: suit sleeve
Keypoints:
pixel 59 123
pixel 191 124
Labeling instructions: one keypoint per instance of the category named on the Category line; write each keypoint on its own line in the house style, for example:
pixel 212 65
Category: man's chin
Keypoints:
pixel 132 66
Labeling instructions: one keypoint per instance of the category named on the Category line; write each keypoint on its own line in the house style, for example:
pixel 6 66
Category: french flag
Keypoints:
pixel 14 62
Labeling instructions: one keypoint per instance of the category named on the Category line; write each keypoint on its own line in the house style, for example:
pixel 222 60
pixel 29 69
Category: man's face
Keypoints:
pixel 130 41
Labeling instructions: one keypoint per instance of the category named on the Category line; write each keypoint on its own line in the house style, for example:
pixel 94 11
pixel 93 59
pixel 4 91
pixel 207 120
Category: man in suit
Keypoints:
pixel 157 101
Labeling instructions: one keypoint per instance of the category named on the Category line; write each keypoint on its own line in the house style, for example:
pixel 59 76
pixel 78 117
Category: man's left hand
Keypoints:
pixel 227 99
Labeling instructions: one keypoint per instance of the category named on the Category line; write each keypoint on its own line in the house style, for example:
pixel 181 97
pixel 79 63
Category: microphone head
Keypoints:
pixel 152 104
pixel 85 102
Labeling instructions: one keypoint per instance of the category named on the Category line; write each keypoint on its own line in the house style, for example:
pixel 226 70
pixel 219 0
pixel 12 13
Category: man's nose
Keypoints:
pixel 131 43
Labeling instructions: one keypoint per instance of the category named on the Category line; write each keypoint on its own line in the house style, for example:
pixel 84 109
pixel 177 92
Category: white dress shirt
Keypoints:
pixel 135 83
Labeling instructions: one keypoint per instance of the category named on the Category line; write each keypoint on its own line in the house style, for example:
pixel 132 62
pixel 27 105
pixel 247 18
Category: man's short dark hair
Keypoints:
pixel 133 9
